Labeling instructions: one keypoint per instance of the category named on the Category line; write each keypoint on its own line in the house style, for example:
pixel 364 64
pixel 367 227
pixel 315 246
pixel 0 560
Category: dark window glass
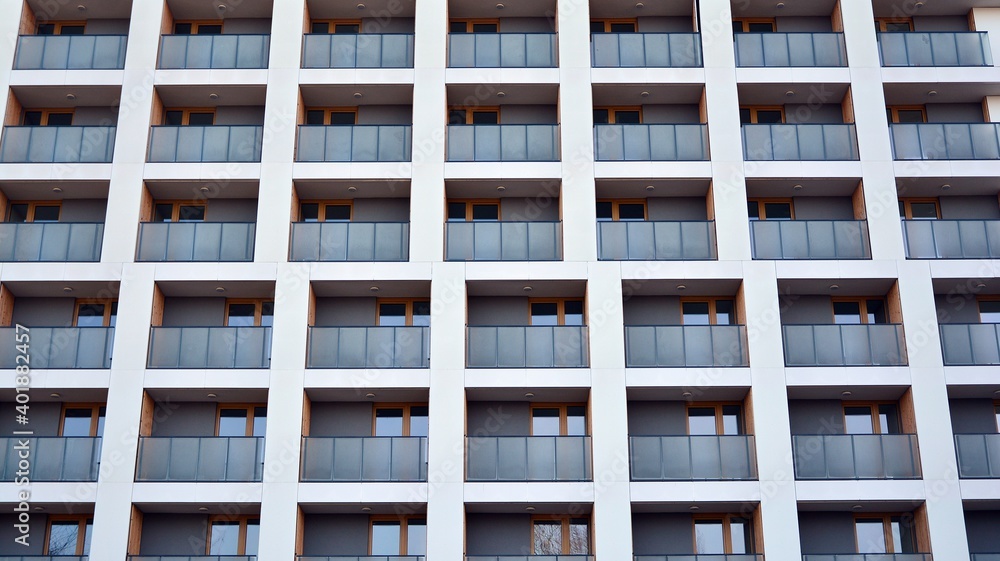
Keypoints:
pixel 191 213
pixel 753 210
pixel 924 211
pixel 47 29
pixel 597 27
pixel 456 117
pixel 201 119
pixel 209 30
pixel 422 313
pixel 18 213
pixel 163 213
pixel 545 422
pixel 847 313
pixel 858 420
pixel 631 211
pixel 173 118
pixel 392 314
pixel 746 116
pixel 910 116
pixel 458 27
pixel 338 213
pixel 64 535
pixel 604 211
pixel 888 418
pixel 233 422
pixel 90 315
pixel 320 27
pixel 77 422
pixel 898 27
pixel 989 311
pixel 71 30
pixel 725 312
pixel 309 212
pixel 576 420
pixel 418 427
pixel 876 311
pixel 114 314
pixel 627 117
pixel 456 212
pixel 778 211
pixel 623 27
pixel 182 28
pixel 46 213
pixel 573 312
pixel 485 118
pixel 267 314
pixel 695 313
pixel 350 28
pixel 732 419
pixel 737 26
pixel 601 116
pixel 315 117
pixel 343 118
pixel 484 28
pixel 544 313
pixel 485 213
pixel 32 118
pixel 902 209
pixel 60 119
pixel 701 421
pixel 388 422
pixel 769 116
pixel 761 27
pixel 242 315
pixel 740 536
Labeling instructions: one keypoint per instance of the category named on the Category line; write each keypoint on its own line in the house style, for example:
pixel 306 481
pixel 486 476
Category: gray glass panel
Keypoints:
pixel 657 142
pixel 70 52
pixel 214 51
pixel 62 347
pixel 218 143
pixel 53 458
pixel 799 142
pixel 64 241
pixel 529 458
pixel 886 456
pixel 643 50
pixel 368 347
pixel 57 144
pixel 935 49
pixel 844 345
pixel 687 458
pixel 354 143
pixel 209 347
pixel 200 459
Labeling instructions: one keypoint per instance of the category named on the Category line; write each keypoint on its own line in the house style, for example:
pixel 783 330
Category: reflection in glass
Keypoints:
pixel 385 537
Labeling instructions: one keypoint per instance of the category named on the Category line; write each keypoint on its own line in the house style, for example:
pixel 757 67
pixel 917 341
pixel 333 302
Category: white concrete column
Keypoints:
pixel 9 27
pixel 988 20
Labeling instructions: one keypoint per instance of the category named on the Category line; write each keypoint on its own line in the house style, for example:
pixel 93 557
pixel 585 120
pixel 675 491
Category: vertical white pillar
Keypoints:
pixel 988 20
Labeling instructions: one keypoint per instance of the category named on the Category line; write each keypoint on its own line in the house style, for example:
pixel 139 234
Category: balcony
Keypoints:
pixel 702 557
pixel 856 456
pixel 527 558
pixel 57 145
pixel 503 143
pixel 790 50
pixel 970 344
pixel 70 52
pixel 209 347
pixel 794 142
pixel 503 241
pixel 51 241
pixel 196 241
pixel 952 239
pixel 561 346
pixel 985 556
pixel 357 558
pixel 651 143
pixel 691 346
pixel 53 458
pixel 693 458
pixel 354 143
pixel 868 557
pixel 43 558
pixel 369 347
pixel 350 241
pixel 383 458
pixel 645 50
pixel 214 51
pixel 967 48
pixel 529 458
pixel 216 143
pixel 656 241
pixel 175 558
pixel 502 50
pixel 844 345
pixel 978 455
pixel 200 459
pixel 945 141
pixel 810 239
pixel 363 50
pixel 61 347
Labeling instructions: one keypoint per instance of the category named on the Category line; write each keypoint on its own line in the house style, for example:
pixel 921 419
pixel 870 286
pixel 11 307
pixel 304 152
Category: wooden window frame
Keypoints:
pixel 895 109
pixel 477 109
pixel 863 306
pixel 747 21
pixel 404 528
pixel 609 21
pixel 719 419
pixel 469 23
pixel 614 109
pixel 197 23
pixel 762 201
pixel 407 409
pixel 175 212
pixel 886 519
pixel 333 23
pixel 46 112
pixel 565 520
pixel 469 203
pixel 58 25
pixel 243 520
pixel 409 307
pixel 560 307
pixel 248 407
pixel 321 217
pixel 615 203
pixel 186 114
pixel 908 208
pixel 873 407
pixel 95 415
pixel 328 111
pixel 81 533
pixel 881 23
pixel 727 536
pixel 712 310
pixel 32 205
pixel 258 307
pixel 107 302
pixel 754 109
pixel 563 416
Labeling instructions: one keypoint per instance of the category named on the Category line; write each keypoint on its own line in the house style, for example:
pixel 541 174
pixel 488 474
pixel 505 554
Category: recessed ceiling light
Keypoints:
pixel 501 188
pixel 918 5
pixel 789 93
pixel 55 395
pixel 222 7
pixel 211 395
pixel 358 95
pixel 857 507
pixel 501 94
pixel 980 285
pixel 220 289
pixel 932 93
pixel 57 189
pixel 81 8
pixel 797 187
pixel 203 188
pixel 687 395
pixel 70 96
pixel 694 508
pixel 639 5
pixel 67 289
pixel 370 395
pixel 846 393
pixel 650 187
pixel 500 6
pixel 529 508
pixel 366 509
pixel 834 287
pixel 681 287
pixel 996 392
pixel 39 508
pixel 373 288
pixel 352 188
pixel 361 6
pixel 529 395
pixel 213 95
pixel 526 289
pixel 779 5
pixel 643 94
pixel 203 509
pixel 946 187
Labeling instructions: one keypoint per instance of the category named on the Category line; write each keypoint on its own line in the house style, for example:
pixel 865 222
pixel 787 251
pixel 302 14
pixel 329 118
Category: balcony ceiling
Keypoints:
pixel 636 188
pixel 487 189
pixel 339 189
pixel 514 94
pixel 378 10
pixel 200 395
pixel 658 94
pixel 895 8
pixel 362 289
pixel 542 395
pixel 539 288
pixel 628 9
pixel 848 287
pixel 768 8
pixel 966 285
pixel 192 507
pixel 960 186
pixel 65 395
pixel 42 190
pixel 54 289
pixel 782 187
pixel 200 9
pixel 692 287
pixel 198 95
pixel 46 9
pixel 322 396
pixel 55 96
pixel 511 9
pixel 952 92
pixel 867 506
pixel 705 393
pixel 870 393
pixel 207 289
pixel 685 507
pixel 777 94
pixel 191 190
pixel 579 508
pixel 355 508
pixel 343 95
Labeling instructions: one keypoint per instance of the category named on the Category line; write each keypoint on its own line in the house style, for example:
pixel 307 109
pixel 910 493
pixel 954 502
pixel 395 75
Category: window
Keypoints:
pixel 894 25
pixel 398 535
pixel 189 117
pixel 69 534
pixel 762 115
pixel 857 311
pixel 406 312
pixel 198 28
pixel 556 312
pixel 715 419
pixel 335 26
pixel 919 209
pixel 82 419
pixel 45 211
pixel 885 534
pixel 332 116
pixel 989 310
pixel 481 210
pixel 95 313
pixel 708 311
pixel 770 209
pixel 560 535
pixel 47 118
pixel 61 28
pixel 326 211
pixel 179 211
pixel 617 115
pixel 621 210
pixel 871 418
pixel 400 420
pixel 233 535
pixel 728 534
pixel 249 313
pixel 474 26
pixel 558 420
pixel 613 26
pixel 474 116
pixel 754 25
pixel 996 413
pixel 235 420
pixel 906 114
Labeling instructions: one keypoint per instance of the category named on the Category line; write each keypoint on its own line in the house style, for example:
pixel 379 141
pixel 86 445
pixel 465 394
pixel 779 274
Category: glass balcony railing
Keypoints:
pixel 57 145
pixel 369 347
pixel 503 241
pixel 942 48
pixel 656 241
pixel 350 241
pixel 354 143
pixel 810 239
pixel 502 50
pixel 376 458
pixel 970 344
pixel 952 239
pixel 790 49
pixel 529 557
pixel 653 142
pixel 868 557
pixel 216 143
pixel 672 346
pixel 209 347
pixel 978 455
pixel 856 456
pixel 791 142
pixel 844 345
pixel 53 458
pixel 51 241
pixel 693 458
pixel 60 347
pixel 70 52
pixel 529 458
pixel 362 50
pixel 214 51
pixel 702 557
pixel 200 459
pixel 196 241
pixel 358 558
pixel 645 50
pixel 43 557
pixel 503 143
pixel 183 558
pixel 985 557
pixel 945 141
pixel 536 346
